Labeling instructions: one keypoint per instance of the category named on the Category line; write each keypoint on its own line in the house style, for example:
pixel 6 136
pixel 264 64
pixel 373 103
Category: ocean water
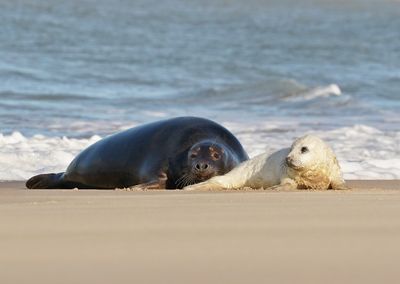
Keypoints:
pixel 72 72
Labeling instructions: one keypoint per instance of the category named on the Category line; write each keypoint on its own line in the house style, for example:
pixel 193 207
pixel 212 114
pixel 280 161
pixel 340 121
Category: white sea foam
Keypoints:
pixel 318 92
pixel 22 157
pixel 363 152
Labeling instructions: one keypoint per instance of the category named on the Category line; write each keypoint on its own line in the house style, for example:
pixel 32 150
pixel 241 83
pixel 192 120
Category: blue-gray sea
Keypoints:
pixel 268 70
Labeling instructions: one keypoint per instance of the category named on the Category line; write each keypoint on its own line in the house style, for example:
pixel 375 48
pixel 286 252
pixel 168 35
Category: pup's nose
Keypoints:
pixel 289 160
pixel 201 166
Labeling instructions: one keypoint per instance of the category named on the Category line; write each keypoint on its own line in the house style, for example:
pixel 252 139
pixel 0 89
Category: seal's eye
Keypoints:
pixel 304 150
pixel 193 155
pixel 216 156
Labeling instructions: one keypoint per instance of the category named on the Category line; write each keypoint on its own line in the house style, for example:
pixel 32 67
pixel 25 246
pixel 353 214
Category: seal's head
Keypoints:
pixel 200 162
pixel 312 164
pixel 206 159
pixel 306 153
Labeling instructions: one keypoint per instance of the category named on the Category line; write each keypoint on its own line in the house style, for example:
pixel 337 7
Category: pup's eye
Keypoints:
pixel 216 156
pixel 193 155
pixel 304 150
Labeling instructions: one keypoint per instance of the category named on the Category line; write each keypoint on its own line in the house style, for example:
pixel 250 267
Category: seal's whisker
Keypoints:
pixel 184 175
pixel 189 181
pixel 186 182
pixel 180 179
pixel 183 180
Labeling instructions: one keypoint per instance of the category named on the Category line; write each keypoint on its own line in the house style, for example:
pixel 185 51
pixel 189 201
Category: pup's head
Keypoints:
pixel 306 152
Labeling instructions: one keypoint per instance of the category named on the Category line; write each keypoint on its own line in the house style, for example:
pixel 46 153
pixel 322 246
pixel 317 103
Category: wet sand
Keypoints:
pixel 100 236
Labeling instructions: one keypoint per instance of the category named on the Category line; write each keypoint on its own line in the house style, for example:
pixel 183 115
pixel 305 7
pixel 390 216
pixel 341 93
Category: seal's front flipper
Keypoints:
pixel 160 183
pixel 281 187
pixel 46 181
pixel 339 186
pixel 154 185
pixel 285 185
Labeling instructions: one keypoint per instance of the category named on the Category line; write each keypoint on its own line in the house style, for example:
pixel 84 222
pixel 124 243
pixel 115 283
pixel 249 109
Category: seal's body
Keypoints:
pixel 169 154
pixel 309 164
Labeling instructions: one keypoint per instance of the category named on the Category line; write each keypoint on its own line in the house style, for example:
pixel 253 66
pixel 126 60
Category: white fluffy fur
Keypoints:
pixel 289 168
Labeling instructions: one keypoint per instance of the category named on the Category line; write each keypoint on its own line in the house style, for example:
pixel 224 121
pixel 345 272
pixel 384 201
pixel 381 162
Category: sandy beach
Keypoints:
pixel 99 236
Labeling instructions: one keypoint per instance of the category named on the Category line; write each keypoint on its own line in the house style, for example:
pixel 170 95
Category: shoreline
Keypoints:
pixel 353 184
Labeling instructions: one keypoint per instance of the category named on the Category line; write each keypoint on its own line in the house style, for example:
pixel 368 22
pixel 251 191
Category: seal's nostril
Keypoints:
pixel 202 166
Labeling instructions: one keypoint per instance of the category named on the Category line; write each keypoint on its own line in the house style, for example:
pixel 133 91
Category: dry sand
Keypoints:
pixel 97 236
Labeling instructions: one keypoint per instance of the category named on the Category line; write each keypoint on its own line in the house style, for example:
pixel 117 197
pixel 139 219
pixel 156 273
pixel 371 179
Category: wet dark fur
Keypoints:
pixel 143 154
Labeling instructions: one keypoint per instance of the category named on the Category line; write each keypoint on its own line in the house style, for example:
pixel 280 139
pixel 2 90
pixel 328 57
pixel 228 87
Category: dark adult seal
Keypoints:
pixel 169 154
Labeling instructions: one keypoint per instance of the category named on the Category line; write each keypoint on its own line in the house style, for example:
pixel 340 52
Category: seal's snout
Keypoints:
pixel 203 170
pixel 293 163
pixel 289 161
pixel 201 166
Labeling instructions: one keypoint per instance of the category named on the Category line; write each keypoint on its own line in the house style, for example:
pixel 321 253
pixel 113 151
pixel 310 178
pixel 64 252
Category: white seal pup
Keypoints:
pixel 308 164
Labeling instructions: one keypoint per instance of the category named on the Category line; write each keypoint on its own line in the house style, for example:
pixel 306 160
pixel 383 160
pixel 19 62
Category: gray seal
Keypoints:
pixel 168 154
